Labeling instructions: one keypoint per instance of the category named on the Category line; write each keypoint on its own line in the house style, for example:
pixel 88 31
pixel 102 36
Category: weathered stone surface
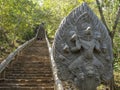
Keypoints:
pixel 82 50
pixel 40 32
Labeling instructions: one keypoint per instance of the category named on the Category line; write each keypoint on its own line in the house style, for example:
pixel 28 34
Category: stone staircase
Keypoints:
pixel 31 70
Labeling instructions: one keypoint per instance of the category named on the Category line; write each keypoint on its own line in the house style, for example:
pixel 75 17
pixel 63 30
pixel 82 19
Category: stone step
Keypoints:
pixel 27 76
pixel 26 85
pixel 26 88
pixel 32 58
pixel 28 81
pixel 31 65
pixel 27 64
pixel 43 78
pixel 24 74
pixel 30 62
pixel 12 77
pixel 39 44
pixel 40 78
pixel 42 43
pixel 25 61
pixel 30 69
pixel 37 51
pixel 18 71
pixel 28 72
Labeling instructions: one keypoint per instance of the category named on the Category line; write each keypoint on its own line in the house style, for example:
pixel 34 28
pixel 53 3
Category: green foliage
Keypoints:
pixel 55 11
pixel 17 19
pixel 110 8
pixel 117 51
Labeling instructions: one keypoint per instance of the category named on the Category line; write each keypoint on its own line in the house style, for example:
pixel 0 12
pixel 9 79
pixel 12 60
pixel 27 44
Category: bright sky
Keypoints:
pixel 40 2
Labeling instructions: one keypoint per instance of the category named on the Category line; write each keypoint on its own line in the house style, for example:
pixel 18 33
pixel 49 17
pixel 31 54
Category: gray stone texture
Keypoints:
pixel 82 50
pixel 40 35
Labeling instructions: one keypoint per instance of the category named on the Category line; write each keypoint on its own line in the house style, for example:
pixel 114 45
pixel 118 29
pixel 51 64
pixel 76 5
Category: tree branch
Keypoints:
pixel 4 34
pixel 116 22
pixel 101 15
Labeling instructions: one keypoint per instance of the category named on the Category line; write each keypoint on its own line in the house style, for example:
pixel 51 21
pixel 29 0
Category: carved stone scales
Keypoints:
pixel 82 50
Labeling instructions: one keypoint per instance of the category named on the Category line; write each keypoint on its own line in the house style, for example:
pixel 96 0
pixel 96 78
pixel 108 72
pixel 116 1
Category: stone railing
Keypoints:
pixel 11 56
pixel 5 62
pixel 58 83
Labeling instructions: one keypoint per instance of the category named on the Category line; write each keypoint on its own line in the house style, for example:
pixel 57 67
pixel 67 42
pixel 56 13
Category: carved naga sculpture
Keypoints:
pixel 82 50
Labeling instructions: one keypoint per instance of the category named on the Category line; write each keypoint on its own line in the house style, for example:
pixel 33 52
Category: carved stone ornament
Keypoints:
pixel 82 50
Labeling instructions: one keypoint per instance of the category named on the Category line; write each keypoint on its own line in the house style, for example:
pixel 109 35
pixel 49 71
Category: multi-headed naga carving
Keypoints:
pixel 82 50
